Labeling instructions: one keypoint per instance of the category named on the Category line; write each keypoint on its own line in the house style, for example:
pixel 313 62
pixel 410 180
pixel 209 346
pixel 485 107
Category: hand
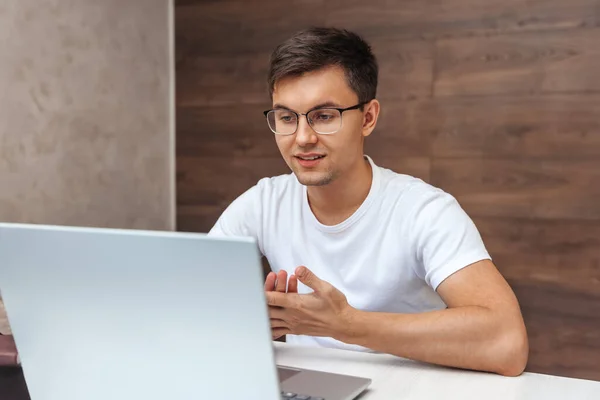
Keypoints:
pixel 277 283
pixel 325 312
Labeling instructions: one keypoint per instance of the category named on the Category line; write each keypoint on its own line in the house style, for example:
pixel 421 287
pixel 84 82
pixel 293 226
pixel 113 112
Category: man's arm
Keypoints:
pixel 482 328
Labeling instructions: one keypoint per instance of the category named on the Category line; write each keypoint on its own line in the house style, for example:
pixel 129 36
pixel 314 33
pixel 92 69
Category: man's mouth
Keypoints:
pixel 310 158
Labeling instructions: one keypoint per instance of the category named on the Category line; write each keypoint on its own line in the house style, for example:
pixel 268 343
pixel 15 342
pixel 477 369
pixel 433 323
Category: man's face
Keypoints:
pixel 318 159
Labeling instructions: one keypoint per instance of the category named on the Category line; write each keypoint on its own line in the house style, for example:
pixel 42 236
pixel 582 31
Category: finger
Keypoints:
pixel 277 299
pixel 270 282
pixel 293 284
pixel 276 312
pixel 279 332
pixel 281 281
pixel 307 277
pixel 278 323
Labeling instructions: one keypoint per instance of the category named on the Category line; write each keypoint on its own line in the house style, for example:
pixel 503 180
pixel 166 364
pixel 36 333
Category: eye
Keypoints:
pixel 324 116
pixel 286 117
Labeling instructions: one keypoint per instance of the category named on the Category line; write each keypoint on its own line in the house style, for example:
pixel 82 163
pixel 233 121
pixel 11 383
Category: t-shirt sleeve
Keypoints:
pixel 447 240
pixel 241 217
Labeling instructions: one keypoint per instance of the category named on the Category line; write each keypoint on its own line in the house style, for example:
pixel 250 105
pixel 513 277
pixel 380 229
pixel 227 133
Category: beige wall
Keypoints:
pixel 85 134
pixel 85 113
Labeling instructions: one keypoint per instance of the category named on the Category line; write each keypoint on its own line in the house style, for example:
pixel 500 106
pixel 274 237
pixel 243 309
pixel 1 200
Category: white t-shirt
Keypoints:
pixel 389 256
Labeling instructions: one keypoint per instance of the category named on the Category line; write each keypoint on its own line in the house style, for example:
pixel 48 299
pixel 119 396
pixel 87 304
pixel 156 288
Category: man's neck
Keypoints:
pixel 334 203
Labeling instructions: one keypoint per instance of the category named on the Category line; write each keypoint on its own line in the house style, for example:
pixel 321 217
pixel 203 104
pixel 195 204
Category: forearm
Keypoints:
pixel 464 337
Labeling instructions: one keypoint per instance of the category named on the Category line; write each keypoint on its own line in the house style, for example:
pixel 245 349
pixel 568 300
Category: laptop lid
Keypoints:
pixel 120 314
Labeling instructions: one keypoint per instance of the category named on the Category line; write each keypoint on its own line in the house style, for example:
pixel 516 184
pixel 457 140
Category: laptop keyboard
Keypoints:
pixel 294 396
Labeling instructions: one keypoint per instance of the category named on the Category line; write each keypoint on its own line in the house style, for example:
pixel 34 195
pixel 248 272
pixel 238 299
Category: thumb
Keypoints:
pixel 306 276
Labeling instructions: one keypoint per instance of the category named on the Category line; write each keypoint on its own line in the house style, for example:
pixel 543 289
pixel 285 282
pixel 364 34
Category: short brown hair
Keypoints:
pixel 315 48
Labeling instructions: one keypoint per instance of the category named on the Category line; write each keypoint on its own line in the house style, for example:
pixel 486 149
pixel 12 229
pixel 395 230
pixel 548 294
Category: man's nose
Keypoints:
pixel 305 135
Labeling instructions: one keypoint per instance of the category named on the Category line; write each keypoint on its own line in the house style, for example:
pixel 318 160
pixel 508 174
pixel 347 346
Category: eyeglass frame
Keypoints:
pixel 340 110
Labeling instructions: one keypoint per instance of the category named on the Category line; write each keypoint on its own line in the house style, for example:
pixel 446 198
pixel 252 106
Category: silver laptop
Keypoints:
pixel 123 314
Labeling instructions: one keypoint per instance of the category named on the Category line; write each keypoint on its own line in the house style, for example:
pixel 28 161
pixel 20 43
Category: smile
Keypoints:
pixel 309 158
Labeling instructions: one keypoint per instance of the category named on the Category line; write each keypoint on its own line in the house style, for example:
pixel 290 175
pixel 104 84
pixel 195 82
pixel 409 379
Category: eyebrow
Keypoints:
pixel 320 105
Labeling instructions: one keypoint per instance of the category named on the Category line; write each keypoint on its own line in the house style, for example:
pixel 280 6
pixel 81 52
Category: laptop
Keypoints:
pixel 127 314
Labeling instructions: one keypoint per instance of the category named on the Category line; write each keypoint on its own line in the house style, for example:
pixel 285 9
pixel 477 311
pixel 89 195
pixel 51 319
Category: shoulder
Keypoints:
pixel 419 207
pixel 276 189
pixel 244 214
pixel 267 187
pixel 411 194
pixel 277 184
pixel 266 194
pixel 442 236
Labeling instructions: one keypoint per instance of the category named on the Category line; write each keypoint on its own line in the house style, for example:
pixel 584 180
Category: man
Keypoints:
pixel 376 260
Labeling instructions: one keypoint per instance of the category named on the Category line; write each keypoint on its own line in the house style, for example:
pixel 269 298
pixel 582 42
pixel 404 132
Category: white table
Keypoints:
pixel 396 378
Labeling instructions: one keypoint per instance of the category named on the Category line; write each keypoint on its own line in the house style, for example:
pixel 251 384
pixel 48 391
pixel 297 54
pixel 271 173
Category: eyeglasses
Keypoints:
pixel 325 121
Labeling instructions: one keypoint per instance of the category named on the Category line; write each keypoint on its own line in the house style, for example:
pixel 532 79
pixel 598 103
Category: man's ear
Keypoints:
pixel 371 114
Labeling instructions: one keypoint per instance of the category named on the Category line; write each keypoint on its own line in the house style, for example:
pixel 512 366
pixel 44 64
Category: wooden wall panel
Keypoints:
pixel 419 167
pixel 554 268
pixel 563 332
pixel 207 185
pixel 541 189
pixel 561 61
pixel 225 131
pixel 496 102
pixel 406 67
pixel 560 253
pixel 225 79
pixel 210 181
pixel 239 26
pixel 397 132
pixel 556 126
pixel 431 18
pixel 215 80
